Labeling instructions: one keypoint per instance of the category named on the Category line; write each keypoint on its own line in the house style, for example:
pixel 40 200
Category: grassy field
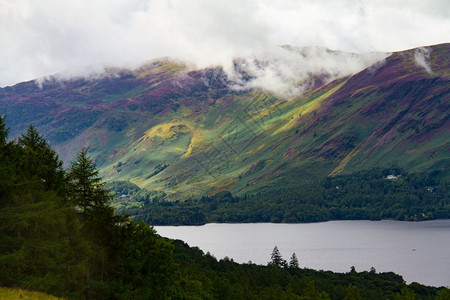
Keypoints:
pixel 12 294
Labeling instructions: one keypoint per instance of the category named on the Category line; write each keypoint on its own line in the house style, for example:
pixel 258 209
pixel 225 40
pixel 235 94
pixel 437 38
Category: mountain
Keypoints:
pixel 190 132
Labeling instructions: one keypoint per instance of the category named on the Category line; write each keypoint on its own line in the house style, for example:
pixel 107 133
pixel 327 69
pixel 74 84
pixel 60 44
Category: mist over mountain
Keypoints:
pixel 285 71
pixel 268 119
pixel 50 36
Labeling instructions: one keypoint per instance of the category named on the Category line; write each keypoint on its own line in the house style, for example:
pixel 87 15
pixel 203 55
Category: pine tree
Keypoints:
pixel 87 189
pixel 39 162
pixel 88 194
pixel 276 258
pixel 32 139
pixel 293 263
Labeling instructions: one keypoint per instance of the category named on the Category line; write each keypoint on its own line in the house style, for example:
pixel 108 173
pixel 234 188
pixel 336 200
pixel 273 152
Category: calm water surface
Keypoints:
pixel 419 251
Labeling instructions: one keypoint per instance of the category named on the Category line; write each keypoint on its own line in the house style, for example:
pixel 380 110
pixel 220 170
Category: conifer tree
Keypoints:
pixel 87 189
pixel 276 258
pixel 293 263
pixel 39 162
pixel 89 196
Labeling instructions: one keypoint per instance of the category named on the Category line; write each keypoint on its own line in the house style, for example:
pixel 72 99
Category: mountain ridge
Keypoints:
pixel 168 128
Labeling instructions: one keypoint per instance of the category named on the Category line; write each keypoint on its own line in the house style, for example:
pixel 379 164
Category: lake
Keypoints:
pixel 419 251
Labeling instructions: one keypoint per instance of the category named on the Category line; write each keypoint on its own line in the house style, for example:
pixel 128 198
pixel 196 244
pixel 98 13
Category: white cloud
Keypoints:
pixel 43 37
pixel 422 57
pixel 287 71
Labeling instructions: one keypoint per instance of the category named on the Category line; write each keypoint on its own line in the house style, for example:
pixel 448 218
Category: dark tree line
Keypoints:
pixel 364 195
pixel 58 233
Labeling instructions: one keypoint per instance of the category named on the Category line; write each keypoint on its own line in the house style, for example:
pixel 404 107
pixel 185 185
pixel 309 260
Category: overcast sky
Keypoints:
pixel 42 37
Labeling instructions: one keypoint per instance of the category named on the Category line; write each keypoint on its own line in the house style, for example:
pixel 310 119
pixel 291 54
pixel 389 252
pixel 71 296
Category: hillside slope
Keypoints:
pixel 167 128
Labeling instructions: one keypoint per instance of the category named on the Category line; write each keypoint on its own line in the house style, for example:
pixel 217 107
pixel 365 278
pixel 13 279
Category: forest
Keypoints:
pixel 60 235
pixel 374 194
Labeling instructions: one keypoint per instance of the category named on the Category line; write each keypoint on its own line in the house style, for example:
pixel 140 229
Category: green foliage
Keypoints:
pixel 86 188
pixel 352 293
pixel 293 262
pixel 443 294
pixel 144 263
pixel 311 292
pixel 59 235
pixel 39 163
pixel 7 169
pixel 127 195
pixel 202 276
pixel 37 224
pixel 276 259
pixel 3 131
pixel 405 294
pixel 365 195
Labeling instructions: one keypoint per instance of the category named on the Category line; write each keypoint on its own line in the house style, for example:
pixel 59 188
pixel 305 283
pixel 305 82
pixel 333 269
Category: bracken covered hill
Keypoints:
pixel 166 127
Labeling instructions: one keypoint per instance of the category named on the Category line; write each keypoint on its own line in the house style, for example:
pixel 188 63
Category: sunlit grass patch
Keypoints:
pixel 12 294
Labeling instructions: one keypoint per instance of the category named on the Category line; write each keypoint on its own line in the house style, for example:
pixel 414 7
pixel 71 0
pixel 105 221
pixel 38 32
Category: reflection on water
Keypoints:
pixel 419 251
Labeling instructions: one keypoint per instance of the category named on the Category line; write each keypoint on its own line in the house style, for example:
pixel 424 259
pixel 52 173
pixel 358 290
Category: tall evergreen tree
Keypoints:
pixel 293 263
pixel 90 198
pixel 87 189
pixel 276 259
pixel 39 162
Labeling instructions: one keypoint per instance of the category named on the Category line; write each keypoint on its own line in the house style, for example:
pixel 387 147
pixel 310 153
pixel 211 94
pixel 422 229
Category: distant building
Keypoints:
pixel 392 177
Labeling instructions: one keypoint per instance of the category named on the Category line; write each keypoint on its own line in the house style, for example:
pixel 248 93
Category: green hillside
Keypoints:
pixel 188 133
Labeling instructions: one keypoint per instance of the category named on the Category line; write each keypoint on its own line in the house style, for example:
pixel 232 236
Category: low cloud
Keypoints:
pixel 44 37
pixel 91 73
pixel 285 71
pixel 422 58
pixel 288 71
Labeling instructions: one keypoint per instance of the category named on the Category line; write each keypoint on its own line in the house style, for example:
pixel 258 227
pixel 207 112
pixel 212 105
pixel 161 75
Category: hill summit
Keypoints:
pixel 189 132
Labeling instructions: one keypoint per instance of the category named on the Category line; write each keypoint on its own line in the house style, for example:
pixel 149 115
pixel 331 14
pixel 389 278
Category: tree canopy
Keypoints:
pixel 59 235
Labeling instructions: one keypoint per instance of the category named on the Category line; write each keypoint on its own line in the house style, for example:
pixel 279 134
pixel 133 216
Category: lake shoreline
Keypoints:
pixel 381 220
pixel 414 250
